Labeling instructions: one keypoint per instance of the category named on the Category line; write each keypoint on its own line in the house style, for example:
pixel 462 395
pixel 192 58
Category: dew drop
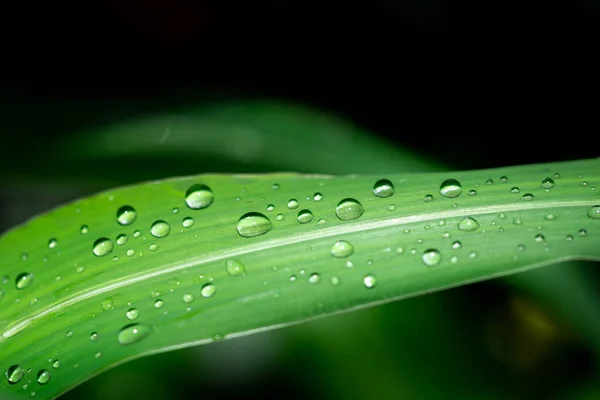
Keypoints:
pixel 270 207
pixel 69 334
pixel 199 196
pixel 130 252
pixel 584 183
pixel 503 179
pixel 322 221
pixel 317 196
pixel 98 355
pixel 137 234
pixel 528 197
pixel 133 333
pixel 208 290
pixel 431 257
pixel 569 238
pixel 275 186
pixel 548 183
pixel 515 190
pixel 153 247
pixel 84 229
pixel 43 377
pixel 583 232
pixel 453 259
pixel 23 280
pixel 383 188
pixel 370 281
pixel 14 374
pixel 521 247
pixel 253 224
pixel 188 298
pixel 108 304
pixel 121 239
pixel 549 217
pixel 450 188
pixel 539 238
pixel 94 336
pixel 349 209
pixel 235 268
pixel 159 303
pixel 314 278
pixel 456 245
pixel 517 221
pixel 399 250
pixel 187 222
pixel 305 216
pixel 428 198
pixel 502 216
pixel 293 278
pixel 489 182
pixel 594 212
pixel 132 313
pixel 468 224
pixel 280 217
pixel 52 243
pixel 342 248
pixel 160 229
pixel 292 204
pixel 391 207
pixel 56 364
pixel 126 215
pixel 472 192
pixel 102 247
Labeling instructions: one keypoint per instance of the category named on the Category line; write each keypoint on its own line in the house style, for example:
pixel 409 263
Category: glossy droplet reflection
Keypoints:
pixel 431 257
pixel 383 188
pixel 102 247
pixel 370 281
pixel 468 224
pixel 342 248
pixel 450 188
pixel 133 333
pixel 160 229
pixel 548 183
pixel 43 377
pixel 305 216
pixel 126 215
pixel 594 212
pixel 23 280
pixel 199 196
pixel 349 209
pixel 132 314
pixel 187 222
pixel 208 290
pixel 14 374
pixel 253 224
pixel 235 268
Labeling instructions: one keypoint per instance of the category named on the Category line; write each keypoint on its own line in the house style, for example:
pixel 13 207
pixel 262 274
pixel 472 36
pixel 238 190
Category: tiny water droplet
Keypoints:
pixel 43 377
pixel 98 355
pixel 517 221
pixel 56 364
pixel 503 179
pixel 548 183
pixel 428 198
pixel 208 290
pixel 334 281
pixel 280 217
pixel 521 247
pixel 431 257
pixel 472 192
pixel 69 334
pixel 187 222
pixel 175 210
pixel 342 248
pixel 489 182
pixel 515 190
pixel 349 209
pixel 391 207
pixel 456 245
pixel 24 256
pixel 473 254
pixel 501 216
pixel 188 298
pixel 137 234
pixel 383 188
pixel 52 243
pixel 450 188
pixel 569 238
pixel 314 278
pixel 132 313
pixel 453 259
pixel 108 304
pixel 305 216
pixel 270 207
pixel 292 204
pixel 153 247
pixel 122 239
pixel 102 247
pixel 23 280
pixel 160 229
pixel 594 212
pixel 370 281
pixel 468 224
pixel 275 186
pixel 528 197
pixel 446 235
pixel 94 336
pixel 322 221
pixel 317 196
pixel 582 232
pixel 84 229
pixel 199 196
pixel 235 268
pixel 349 264
pixel 584 183
pixel 130 252
pixel 133 333
pixel 126 215
pixel 254 224
pixel 539 238
pixel 399 250
pixel 159 303
pixel 14 374
pixel 293 278
pixel 549 217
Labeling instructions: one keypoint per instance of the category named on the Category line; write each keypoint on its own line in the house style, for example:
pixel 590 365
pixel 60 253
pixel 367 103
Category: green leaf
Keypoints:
pixel 77 292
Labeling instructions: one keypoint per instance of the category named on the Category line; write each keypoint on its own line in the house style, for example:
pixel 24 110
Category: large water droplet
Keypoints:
pixel 52 243
pixel 292 204
pixel 160 229
pixel 14 373
pixel 468 224
pixel 253 224
pixel 342 248
pixel 23 280
pixel 594 212
pixel 383 188
pixel 431 257
pixel 235 268
pixel 548 183
pixel 126 215
pixel 305 216
pixel 133 333
pixel 370 281
pixel 102 247
pixel 121 239
pixel 132 313
pixel 43 377
pixel 187 222
pixel 349 209
pixel 199 196
pixel 208 290
pixel 450 188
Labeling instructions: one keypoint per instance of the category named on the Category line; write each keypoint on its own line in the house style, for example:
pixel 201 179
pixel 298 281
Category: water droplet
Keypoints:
pixel 548 183
pixel 399 250
pixel 133 333
pixel 584 183
pixel 94 336
pixel 322 221
pixel 472 192
pixel 270 207
pixel 188 298
pixel 253 224
pixel 175 210
pixel 431 257
pixel 23 280
pixel 102 247
pixel 569 238
pixel 153 247
pixel 98 355
pixel 539 238
pixel 43 377
pixel 52 243
pixel 489 182
pixel 187 222
pixel 126 215
pixel 317 196
pixel 503 179
pixel 69 334
pixel 517 221
pixel 305 216
pixel 468 224
pixel 130 252
pixel 594 212
pixel 293 278
pixel 160 229
pixel 314 278
pixel 370 281
pixel 108 304
pixel 521 247
pixel 208 290
pixel 14 374
pixel 349 209
pixel 528 197
pixel 383 188
pixel 56 364
pixel 450 188
pixel 137 234
pixel 502 216
pixel 122 239
pixel 275 186
pixel 582 232
pixel 235 268
pixel 292 204
pixel 334 280
pixel 199 196
pixel 132 313
pixel 342 248
pixel 391 207
pixel 453 259
pixel 515 190
pixel 159 303
pixel 428 198
pixel 549 217
pixel 280 217
pixel 446 235
pixel 84 229
pixel 456 245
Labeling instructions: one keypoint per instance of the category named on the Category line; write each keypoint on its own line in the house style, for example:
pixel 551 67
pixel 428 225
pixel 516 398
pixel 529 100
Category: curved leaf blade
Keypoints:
pixel 206 282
